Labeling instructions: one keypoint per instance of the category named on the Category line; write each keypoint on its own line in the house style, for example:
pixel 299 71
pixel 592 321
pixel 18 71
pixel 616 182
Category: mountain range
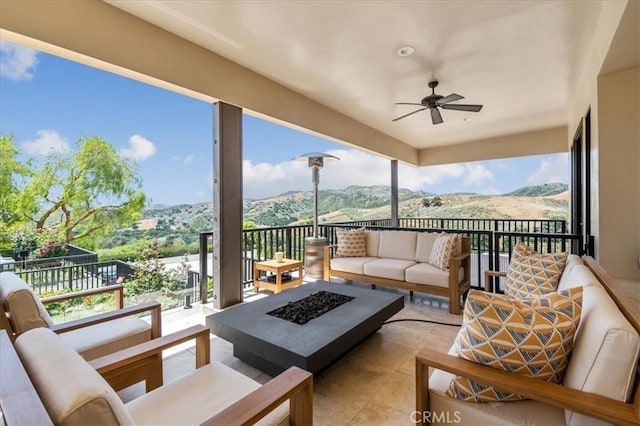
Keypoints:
pixel 548 201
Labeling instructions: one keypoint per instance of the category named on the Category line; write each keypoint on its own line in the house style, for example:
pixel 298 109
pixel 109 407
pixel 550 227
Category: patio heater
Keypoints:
pixel 314 245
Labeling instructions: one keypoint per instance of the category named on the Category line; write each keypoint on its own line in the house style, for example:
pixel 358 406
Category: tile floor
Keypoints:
pixel 373 384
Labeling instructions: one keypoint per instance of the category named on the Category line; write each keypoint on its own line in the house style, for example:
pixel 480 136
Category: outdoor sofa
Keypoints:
pixel 601 385
pixel 404 259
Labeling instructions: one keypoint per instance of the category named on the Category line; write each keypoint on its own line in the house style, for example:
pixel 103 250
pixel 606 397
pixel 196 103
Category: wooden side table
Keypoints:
pixel 276 268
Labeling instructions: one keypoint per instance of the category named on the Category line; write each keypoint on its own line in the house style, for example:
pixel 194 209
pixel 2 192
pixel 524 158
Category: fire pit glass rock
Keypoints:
pixel 304 310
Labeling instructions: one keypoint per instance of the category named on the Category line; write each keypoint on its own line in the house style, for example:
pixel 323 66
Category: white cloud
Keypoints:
pixel 17 62
pixel 141 149
pixel 554 168
pixel 476 174
pixel 188 159
pixel 354 168
pixel 47 141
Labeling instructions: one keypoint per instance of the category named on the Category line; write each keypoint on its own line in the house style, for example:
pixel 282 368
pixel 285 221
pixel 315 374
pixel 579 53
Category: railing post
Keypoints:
pixel 288 251
pixel 203 246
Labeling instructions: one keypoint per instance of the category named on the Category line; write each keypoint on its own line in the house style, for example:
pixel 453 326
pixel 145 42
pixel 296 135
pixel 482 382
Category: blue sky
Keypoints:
pixel 48 102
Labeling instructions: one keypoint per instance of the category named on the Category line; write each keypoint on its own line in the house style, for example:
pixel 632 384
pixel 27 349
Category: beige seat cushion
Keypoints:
pixel 424 273
pixel 72 392
pixel 354 265
pixel 398 245
pixel 605 353
pixel 392 269
pixel 108 337
pixel 526 412
pixel 194 398
pixel 23 306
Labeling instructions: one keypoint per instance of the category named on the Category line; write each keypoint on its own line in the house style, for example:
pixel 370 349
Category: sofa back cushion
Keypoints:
pixel 372 239
pixel 424 245
pixel 23 307
pixel 398 245
pixel 578 275
pixel 72 392
pixel 605 353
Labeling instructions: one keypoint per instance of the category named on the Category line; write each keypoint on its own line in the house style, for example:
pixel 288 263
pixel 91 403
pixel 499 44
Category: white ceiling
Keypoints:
pixel 520 59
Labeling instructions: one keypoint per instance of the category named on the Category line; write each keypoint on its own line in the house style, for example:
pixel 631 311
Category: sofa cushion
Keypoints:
pixel 351 242
pixel 533 274
pixel 196 397
pixel 572 261
pixel 107 337
pixel 531 337
pixel 23 306
pixel 392 269
pixel 449 411
pixel 372 239
pixel 398 245
pixel 444 248
pixel 424 245
pixel 424 273
pixel 354 265
pixel 72 392
pixel 578 275
pixel 605 354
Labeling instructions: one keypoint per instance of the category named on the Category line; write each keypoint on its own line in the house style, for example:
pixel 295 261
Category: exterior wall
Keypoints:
pixel 536 142
pixel 618 157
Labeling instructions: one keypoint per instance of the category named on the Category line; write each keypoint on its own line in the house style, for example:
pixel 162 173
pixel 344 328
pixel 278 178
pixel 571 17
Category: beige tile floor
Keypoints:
pixel 373 384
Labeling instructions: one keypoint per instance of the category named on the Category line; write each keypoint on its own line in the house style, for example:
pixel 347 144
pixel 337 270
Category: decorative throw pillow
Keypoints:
pixel 351 243
pixel 444 248
pixel 533 274
pixel 531 337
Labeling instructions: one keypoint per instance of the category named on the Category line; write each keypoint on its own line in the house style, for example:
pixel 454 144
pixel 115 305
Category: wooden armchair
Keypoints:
pixel 213 394
pixel 92 337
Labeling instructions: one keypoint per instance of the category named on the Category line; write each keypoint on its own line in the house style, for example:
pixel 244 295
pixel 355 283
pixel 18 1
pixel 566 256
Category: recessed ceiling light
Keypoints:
pixel 406 51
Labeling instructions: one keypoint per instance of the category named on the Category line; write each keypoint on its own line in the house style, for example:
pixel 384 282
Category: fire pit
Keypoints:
pixel 273 345
pixel 304 310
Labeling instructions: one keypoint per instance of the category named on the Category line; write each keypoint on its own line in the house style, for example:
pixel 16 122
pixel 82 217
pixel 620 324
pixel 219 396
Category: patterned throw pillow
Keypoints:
pixel 351 243
pixel 533 274
pixel 531 337
pixel 444 248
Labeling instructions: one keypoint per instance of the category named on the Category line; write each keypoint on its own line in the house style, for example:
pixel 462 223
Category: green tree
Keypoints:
pixel 85 194
pixel 12 175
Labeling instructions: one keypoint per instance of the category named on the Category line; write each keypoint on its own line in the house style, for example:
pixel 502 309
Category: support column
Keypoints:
pixel 227 205
pixel 394 193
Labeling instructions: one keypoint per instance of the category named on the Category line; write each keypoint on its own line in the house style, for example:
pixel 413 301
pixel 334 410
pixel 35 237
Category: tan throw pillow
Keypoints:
pixel 533 274
pixel 351 243
pixel 444 248
pixel 531 337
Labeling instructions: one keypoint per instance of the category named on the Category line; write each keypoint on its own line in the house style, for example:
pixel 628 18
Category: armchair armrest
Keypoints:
pixel 145 359
pixel 459 257
pixel 590 404
pixel 294 384
pixel 488 282
pixel 118 289
pixel 152 307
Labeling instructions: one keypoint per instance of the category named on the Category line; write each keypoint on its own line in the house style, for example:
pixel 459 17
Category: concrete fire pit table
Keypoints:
pixel 272 344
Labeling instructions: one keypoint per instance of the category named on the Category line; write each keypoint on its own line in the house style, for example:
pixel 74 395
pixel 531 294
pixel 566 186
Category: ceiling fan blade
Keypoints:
pixel 406 115
pixel 435 116
pixel 462 107
pixel 408 103
pixel 451 98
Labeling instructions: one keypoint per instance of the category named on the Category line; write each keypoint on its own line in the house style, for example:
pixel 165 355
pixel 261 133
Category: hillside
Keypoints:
pixel 549 201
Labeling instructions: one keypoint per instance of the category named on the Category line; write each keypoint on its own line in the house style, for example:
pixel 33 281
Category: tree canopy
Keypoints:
pixel 12 173
pixel 81 195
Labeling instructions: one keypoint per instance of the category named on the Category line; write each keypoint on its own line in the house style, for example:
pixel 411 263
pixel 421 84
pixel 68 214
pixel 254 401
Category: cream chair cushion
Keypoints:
pixel 605 353
pixel 72 392
pixel 194 398
pixel 424 273
pixel 354 265
pixel 392 269
pixel 23 306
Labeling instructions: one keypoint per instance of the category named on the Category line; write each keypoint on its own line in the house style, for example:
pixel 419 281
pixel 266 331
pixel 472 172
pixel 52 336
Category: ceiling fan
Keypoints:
pixel 433 102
